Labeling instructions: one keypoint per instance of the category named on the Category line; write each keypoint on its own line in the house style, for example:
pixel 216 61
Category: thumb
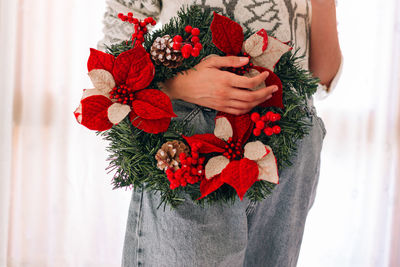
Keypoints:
pixel 227 61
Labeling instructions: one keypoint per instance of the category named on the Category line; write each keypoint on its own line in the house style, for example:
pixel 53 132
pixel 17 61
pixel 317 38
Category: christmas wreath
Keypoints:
pixel 151 148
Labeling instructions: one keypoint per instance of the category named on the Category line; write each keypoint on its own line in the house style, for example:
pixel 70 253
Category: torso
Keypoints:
pixel 289 20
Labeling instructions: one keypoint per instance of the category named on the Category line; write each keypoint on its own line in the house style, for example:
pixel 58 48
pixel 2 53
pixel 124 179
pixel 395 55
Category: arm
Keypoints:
pixel 207 85
pixel 325 55
pixel 212 87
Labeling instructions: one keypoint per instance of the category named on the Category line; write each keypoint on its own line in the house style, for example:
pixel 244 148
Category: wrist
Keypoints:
pixel 166 88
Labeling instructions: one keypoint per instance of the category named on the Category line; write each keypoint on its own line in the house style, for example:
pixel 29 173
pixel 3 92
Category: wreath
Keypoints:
pixel 153 149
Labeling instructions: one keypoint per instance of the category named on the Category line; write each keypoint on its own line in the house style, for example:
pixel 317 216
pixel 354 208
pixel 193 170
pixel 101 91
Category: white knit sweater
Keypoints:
pixel 289 19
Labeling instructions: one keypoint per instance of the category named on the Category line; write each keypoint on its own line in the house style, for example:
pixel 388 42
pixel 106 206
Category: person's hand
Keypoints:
pixel 208 86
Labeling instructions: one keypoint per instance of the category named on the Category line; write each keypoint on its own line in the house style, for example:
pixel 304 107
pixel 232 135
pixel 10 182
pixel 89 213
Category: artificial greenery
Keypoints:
pixel 132 151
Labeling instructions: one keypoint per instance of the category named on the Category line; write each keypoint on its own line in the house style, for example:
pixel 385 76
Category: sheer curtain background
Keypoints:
pixel 56 203
pixel 355 218
pixel 58 208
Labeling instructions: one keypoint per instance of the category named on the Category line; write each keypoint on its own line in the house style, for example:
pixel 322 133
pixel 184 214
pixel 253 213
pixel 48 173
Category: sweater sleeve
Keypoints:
pixel 114 29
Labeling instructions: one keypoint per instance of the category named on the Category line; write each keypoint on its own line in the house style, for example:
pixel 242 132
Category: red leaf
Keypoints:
pixel 227 35
pixel 152 104
pixel 272 79
pixel 242 125
pixel 209 186
pixel 100 60
pixel 149 126
pixel 94 112
pixel 263 33
pixel 241 175
pixel 134 68
pixel 209 143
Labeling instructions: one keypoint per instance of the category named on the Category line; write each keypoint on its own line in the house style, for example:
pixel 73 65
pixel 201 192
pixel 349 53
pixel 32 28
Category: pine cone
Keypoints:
pixel 168 155
pixel 163 53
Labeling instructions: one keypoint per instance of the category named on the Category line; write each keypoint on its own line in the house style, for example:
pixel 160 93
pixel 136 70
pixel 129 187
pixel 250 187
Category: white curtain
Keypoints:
pixel 57 206
pixel 355 218
pixel 56 203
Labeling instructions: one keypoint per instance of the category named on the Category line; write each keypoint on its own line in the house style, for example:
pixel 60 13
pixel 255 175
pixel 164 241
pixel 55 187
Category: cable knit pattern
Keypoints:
pixel 288 19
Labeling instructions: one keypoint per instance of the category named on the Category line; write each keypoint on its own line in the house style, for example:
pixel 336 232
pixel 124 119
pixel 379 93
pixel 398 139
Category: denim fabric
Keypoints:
pixel 267 233
pixel 201 118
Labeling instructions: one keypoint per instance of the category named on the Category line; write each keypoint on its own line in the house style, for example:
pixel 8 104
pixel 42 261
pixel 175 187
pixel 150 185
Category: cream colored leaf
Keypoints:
pixel 102 80
pixel 253 45
pixel 255 150
pixel 117 112
pixel 272 54
pixel 223 128
pixel 215 166
pixel 268 170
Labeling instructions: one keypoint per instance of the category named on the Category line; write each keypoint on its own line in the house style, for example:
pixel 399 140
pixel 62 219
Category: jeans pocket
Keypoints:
pixel 198 117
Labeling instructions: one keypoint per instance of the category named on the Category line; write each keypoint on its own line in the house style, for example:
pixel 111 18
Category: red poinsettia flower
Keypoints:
pixel 119 83
pixel 265 51
pixel 239 165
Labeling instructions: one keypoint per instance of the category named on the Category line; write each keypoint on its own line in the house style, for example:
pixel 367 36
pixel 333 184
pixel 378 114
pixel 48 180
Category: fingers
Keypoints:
pixel 237 104
pixel 252 96
pixel 234 111
pixel 231 78
pixel 233 107
pixel 247 100
pixel 228 61
pixel 229 96
pixel 239 101
pixel 247 82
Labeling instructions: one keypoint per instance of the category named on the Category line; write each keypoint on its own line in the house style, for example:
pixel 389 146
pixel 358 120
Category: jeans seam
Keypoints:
pixel 138 229
pixel 251 207
pixel 189 117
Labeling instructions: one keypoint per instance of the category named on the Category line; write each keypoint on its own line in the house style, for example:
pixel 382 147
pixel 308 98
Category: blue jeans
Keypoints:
pixel 265 234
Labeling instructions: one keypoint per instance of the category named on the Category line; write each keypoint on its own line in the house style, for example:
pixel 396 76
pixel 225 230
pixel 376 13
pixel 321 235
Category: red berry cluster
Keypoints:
pixel 191 46
pixel 140 25
pixel 263 123
pixel 233 151
pixel 191 171
pixel 241 70
pixel 123 94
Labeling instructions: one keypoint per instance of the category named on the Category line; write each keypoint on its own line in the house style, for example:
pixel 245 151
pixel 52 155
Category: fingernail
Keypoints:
pixel 275 88
pixel 244 59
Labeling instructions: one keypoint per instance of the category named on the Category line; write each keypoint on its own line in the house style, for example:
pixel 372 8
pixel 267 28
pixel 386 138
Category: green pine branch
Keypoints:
pixel 132 151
